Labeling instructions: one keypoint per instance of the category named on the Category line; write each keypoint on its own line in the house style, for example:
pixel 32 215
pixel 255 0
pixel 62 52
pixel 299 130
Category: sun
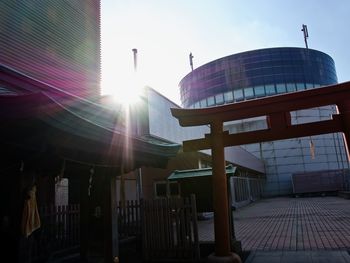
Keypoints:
pixel 126 91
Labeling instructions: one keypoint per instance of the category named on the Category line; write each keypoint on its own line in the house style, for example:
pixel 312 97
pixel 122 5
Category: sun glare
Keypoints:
pixel 126 92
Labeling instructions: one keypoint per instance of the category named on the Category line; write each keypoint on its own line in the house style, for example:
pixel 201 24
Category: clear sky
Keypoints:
pixel 166 31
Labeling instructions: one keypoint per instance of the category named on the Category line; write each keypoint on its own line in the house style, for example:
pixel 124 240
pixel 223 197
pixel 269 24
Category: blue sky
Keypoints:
pixel 166 31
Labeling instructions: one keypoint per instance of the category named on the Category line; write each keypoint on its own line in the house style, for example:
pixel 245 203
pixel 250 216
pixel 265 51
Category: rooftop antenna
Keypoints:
pixel 191 60
pixel 306 34
pixel 134 50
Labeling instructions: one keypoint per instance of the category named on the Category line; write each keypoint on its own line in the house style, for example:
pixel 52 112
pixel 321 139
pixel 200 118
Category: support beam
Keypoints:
pixel 220 197
pixel 274 133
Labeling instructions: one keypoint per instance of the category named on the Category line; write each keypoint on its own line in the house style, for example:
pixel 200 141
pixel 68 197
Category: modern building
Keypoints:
pixel 269 72
pixel 158 124
pixel 56 42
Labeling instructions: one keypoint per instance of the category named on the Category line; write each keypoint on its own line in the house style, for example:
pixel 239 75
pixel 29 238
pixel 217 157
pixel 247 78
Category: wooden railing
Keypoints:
pixel 167 228
pixel 129 219
pixel 170 230
pixel 60 230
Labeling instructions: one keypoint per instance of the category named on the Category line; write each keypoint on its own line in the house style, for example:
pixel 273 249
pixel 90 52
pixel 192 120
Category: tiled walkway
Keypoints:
pixel 281 224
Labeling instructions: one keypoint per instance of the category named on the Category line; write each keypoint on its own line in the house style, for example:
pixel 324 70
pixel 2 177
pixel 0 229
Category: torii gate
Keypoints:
pixel 277 109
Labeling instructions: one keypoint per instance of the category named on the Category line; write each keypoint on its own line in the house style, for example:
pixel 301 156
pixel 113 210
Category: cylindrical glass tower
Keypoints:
pixel 266 72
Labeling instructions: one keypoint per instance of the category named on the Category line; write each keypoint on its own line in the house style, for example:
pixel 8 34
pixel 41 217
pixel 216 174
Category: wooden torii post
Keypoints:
pixel 277 111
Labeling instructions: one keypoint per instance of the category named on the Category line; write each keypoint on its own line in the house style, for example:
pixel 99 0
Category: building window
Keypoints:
pixel 281 88
pixel 270 89
pixel 238 94
pixel 228 96
pixel 300 86
pixel 219 98
pixel 166 189
pixel 203 103
pixel 291 87
pixel 259 91
pixel 160 189
pixel 309 86
pixel 248 93
pixel 211 101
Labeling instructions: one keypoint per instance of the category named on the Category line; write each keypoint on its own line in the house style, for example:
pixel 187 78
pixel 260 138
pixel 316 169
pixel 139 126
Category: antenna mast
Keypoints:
pixel 306 35
pixel 134 50
pixel 191 60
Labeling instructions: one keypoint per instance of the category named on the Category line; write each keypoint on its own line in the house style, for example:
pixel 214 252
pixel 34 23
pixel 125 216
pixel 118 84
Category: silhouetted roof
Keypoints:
pixel 76 125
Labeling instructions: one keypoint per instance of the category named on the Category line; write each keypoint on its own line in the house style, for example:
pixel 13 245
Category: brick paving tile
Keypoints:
pixel 294 224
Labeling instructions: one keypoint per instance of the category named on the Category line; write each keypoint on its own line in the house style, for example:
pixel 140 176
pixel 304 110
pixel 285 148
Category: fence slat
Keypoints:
pixel 170 229
pixel 60 227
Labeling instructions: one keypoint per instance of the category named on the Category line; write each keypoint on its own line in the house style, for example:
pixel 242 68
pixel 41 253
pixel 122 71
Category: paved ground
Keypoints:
pixel 315 229
pixel 298 257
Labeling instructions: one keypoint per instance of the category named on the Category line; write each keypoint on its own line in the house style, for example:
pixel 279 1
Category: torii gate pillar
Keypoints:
pixel 220 202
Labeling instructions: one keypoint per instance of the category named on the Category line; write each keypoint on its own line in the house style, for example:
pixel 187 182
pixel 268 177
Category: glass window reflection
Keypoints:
pixel 291 87
pixel 270 89
pixel 228 96
pixel 238 94
pixel 248 93
pixel 259 91
pixel 281 88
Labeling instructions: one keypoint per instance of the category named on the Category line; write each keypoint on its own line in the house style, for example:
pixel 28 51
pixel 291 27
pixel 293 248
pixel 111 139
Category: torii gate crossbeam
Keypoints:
pixel 277 111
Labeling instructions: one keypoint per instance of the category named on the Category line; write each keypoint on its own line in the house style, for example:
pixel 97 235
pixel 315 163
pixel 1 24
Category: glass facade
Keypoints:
pixel 255 74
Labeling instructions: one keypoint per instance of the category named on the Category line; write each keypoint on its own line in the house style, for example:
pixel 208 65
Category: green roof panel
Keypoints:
pixel 183 174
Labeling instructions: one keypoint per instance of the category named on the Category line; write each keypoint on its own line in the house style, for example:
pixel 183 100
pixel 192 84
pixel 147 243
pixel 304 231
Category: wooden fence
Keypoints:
pixel 170 231
pixel 167 227
pixel 60 230
pixel 129 220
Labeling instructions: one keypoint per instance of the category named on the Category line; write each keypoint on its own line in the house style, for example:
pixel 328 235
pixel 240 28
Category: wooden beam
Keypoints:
pixel 272 134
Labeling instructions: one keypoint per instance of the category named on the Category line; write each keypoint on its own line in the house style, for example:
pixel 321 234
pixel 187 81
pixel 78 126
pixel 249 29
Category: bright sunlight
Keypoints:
pixel 126 91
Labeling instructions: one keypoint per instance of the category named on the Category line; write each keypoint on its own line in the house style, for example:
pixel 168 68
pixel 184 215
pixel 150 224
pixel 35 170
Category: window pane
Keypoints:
pixel 211 101
pixel 203 103
pixel 160 189
pixel 290 87
pixel 281 88
pixel 238 94
pixel 300 86
pixel 248 93
pixel 309 86
pixel 270 89
pixel 228 96
pixel 219 98
pixel 259 91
